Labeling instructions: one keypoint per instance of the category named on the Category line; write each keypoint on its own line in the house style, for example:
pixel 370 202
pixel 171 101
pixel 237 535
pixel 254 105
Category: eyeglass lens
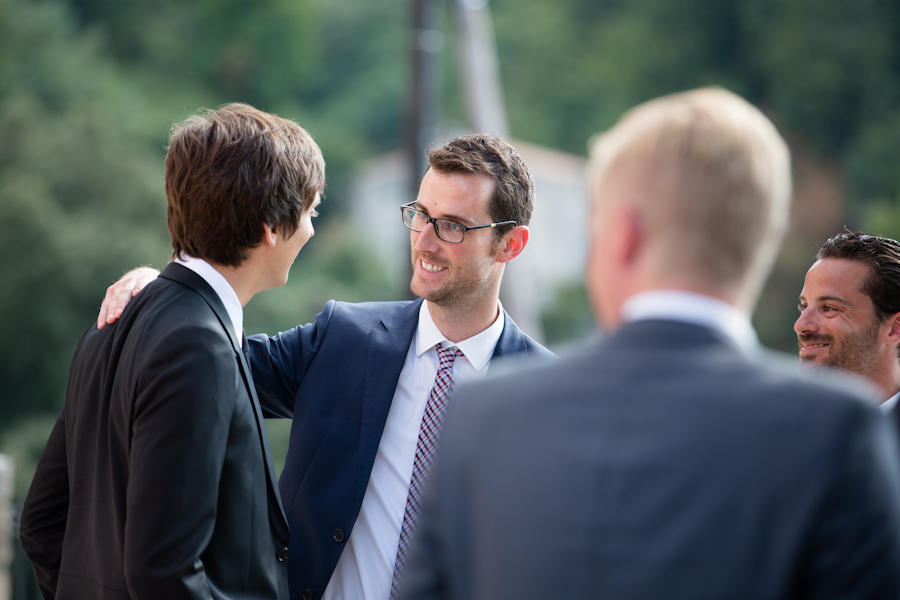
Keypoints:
pixel 448 231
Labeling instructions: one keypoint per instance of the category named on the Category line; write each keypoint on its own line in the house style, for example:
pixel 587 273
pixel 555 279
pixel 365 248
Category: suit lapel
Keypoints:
pixel 185 276
pixel 895 418
pixel 512 340
pixel 387 349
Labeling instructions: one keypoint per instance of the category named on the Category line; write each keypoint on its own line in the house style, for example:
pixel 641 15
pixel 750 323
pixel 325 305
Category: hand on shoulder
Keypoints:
pixel 119 294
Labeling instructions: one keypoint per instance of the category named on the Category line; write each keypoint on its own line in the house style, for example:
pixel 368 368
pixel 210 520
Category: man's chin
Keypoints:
pixel 814 363
pixel 431 295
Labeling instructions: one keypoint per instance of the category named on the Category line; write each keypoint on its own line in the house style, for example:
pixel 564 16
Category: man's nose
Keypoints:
pixel 806 322
pixel 428 238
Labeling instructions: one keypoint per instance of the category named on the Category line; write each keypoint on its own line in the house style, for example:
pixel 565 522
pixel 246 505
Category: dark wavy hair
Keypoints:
pixel 883 257
pixel 483 154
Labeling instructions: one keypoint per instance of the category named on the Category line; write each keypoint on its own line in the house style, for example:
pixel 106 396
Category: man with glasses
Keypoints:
pixel 367 384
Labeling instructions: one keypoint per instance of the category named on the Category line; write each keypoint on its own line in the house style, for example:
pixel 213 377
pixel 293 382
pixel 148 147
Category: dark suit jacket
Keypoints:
pixel 662 463
pixel 894 416
pixel 336 378
pixel 157 481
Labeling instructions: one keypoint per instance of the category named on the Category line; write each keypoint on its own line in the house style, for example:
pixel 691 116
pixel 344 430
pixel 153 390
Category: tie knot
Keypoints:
pixel 447 355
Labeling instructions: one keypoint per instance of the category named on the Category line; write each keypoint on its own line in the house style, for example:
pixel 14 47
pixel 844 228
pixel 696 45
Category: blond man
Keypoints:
pixel 668 461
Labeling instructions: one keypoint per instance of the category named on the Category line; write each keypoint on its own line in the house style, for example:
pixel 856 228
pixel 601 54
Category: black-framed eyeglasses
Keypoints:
pixel 449 231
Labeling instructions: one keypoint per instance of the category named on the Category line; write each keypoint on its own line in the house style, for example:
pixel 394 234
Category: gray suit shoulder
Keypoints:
pixel 822 382
pixel 765 384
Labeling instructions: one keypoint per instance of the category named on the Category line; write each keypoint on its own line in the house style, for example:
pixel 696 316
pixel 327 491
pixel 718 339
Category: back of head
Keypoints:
pixel 710 178
pixel 882 255
pixel 230 170
pixel 483 154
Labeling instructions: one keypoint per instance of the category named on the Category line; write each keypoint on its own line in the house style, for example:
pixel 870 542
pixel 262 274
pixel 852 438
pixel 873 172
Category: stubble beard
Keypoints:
pixel 856 352
pixel 462 290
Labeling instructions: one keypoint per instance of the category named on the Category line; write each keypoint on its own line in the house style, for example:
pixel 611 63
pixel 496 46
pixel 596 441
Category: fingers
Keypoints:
pixel 119 294
pixel 104 307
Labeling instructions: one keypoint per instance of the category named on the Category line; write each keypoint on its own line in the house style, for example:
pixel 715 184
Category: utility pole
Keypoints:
pixel 425 92
pixel 479 74
pixel 479 70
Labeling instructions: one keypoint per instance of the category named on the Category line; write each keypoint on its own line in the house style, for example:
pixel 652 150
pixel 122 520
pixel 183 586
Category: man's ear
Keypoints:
pixel 893 335
pixel 512 244
pixel 630 233
pixel 269 237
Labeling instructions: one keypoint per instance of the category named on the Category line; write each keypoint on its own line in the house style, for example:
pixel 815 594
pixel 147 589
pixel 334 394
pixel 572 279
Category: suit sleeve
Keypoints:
pixel 185 401
pixel 280 362
pixel 43 523
pixel 856 549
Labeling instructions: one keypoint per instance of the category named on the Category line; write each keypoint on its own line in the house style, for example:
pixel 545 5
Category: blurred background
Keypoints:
pixel 89 89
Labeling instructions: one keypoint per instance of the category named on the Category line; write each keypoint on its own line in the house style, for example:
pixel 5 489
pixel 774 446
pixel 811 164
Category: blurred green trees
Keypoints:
pixel 88 89
pixel 79 197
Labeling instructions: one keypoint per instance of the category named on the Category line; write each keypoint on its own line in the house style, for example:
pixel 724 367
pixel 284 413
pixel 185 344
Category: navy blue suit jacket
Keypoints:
pixel 336 378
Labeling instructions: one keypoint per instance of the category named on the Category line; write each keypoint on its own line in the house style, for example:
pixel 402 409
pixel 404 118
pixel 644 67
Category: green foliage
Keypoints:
pixel 333 265
pixel 828 67
pixel 88 89
pixel 254 51
pixel 279 434
pixel 25 443
pixel 80 199
pixel 600 58
pixel 569 317
pixel 883 218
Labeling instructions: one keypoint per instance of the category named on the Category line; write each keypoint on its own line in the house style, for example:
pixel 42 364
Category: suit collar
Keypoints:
pixel 477 349
pixel 402 325
pixel 895 416
pixel 221 286
pixel 512 339
pixel 189 278
pixel 183 275
pixel 407 316
pixel 385 355
pixel 689 307
pixel 669 334
pixel 404 321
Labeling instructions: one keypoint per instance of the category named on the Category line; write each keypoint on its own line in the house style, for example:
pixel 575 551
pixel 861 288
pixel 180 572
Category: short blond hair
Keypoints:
pixel 714 184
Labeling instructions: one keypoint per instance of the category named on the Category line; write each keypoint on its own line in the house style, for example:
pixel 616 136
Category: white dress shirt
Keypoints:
pixel 697 309
pixel 366 566
pixel 888 405
pixel 222 288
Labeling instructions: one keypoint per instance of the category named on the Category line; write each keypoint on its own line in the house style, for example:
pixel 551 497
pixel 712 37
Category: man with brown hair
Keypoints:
pixel 668 461
pixel 157 481
pixel 850 311
pixel 366 384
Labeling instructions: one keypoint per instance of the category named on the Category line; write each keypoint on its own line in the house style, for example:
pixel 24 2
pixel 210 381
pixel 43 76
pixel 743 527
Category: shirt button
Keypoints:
pixel 283 554
pixel 307 595
pixel 338 536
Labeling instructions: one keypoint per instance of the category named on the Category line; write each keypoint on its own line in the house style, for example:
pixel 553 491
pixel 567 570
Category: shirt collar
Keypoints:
pixel 696 309
pixel 888 405
pixel 477 349
pixel 221 287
